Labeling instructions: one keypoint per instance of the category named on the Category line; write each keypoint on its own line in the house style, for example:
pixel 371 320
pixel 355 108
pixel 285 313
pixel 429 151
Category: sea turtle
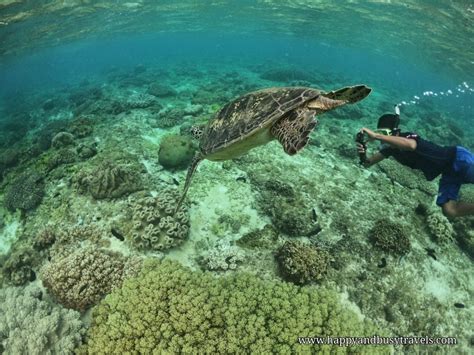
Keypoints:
pixel 282 113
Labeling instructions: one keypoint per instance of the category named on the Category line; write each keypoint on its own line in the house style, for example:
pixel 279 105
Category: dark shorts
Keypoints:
pixel 462 173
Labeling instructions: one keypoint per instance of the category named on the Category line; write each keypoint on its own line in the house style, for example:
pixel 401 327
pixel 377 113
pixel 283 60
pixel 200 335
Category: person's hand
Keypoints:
pixel 360 148
pixel 371 134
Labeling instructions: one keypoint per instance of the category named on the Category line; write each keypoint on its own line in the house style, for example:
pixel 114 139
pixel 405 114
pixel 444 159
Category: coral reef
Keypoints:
pixel 412 179
pixel 18 266
pixel 169 309
pixel 25 192
pixel 81 127
pixel 161 90
pixel 81 278
pixel 168 118
pixel 62 139
pixel 289 212
pixel 464 228
pixel 390 237
pixel 60 157
pixel 265 238
pixel 109 180
pixel 155 226
pixel 222 256
pixel 440 228
pixel 176 151
pixel 136 101
pixel 301 263
pixel 31 325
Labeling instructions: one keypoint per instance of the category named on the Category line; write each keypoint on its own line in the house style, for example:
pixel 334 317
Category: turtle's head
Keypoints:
pixel 197 132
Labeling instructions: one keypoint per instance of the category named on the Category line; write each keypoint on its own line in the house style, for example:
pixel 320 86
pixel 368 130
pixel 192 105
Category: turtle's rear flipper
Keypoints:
pixel 349 94
pixel 293 130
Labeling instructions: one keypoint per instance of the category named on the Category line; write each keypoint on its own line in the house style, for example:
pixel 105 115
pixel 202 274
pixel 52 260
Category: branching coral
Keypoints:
pixel 441 229
pixel 80 279
pixel 155 225
pixel 109 180
pixel 302 263
pixel 31 325
pixel 223 256
pixel 18 267
pixel 390 237
pixel 169 309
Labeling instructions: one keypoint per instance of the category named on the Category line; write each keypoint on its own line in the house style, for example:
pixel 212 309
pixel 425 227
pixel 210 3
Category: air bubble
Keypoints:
pixel 460 89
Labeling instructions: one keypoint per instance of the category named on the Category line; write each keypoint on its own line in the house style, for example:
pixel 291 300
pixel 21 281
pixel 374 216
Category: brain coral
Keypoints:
pixel 390 237
pixel 25 192
pixel 31 325
pixel 441 229
pixel 80 279
pixel 109 180
pixel 301 263
pixel 155 225
pixel 170 309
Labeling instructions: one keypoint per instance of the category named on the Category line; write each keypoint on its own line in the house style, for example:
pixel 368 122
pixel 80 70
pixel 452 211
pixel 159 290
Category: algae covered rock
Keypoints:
pixel 176 151
pixel 171 310
pixel 25 192
pixel 155 225
pixel 390 237
pixel 302 263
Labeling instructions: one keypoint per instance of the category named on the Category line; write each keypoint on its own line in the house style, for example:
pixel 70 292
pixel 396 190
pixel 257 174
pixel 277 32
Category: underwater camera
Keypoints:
pixel 387 125
pixel 362 138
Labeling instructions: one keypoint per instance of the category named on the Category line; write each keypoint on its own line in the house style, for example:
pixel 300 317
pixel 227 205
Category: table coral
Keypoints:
pixel 155 226
pixel 31 325
pixel 81 278
pixel 170 309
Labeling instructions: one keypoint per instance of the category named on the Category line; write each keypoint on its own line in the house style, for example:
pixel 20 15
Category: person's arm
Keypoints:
pixel 369 161
pixel 394 141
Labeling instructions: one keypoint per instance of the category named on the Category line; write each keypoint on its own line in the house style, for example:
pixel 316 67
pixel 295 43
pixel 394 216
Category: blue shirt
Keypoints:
pixel 430 158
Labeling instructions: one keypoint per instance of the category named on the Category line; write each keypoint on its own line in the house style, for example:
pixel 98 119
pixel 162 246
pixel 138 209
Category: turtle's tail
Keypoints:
pixel 350 94
pixel 192 168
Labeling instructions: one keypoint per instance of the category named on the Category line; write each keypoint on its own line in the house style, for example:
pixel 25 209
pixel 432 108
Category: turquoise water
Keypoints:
pixel 97 101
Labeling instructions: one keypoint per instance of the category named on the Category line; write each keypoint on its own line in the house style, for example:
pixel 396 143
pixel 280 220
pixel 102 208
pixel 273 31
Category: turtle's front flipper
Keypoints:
pixel 292 131
pixel 192 168
pixel 349 94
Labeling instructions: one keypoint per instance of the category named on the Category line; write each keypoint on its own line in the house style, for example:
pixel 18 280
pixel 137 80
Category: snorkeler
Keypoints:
pixel 455 164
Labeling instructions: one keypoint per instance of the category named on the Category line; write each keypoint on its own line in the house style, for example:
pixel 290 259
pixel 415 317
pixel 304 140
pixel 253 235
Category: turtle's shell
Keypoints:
pixel 247 114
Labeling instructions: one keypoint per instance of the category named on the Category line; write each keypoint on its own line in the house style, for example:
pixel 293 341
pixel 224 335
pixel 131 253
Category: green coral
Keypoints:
pixel 176 151
pixel 390 237
pixel 170 309
pixel 441 229
pixel 302 263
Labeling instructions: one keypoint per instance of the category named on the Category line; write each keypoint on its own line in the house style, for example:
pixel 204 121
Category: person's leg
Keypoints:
pixel 453 209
